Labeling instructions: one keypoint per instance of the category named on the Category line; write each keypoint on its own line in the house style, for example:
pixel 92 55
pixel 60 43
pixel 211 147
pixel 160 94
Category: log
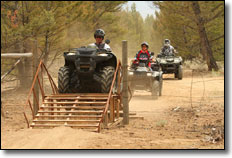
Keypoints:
pixel 16 55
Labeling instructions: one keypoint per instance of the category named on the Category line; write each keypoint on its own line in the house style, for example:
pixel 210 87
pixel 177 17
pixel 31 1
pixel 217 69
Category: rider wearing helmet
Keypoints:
pixel 167 48
pixel 144 55
pixel 99 37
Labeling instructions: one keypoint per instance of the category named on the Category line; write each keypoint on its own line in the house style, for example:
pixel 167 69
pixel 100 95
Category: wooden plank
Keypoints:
pixel 76 112
pixel 57 125
pixel 74 102
pixel 80 95
pixel 76 107
pixel 74 121
pixel 77 98
pixel 72 116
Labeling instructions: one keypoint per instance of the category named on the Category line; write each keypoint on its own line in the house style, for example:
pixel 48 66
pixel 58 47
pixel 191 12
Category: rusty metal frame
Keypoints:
pixel 110 95
pixel 111 98
pixel 40 70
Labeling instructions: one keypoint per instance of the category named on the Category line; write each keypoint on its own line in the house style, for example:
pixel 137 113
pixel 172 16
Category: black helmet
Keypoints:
pixel 145 43
pixel 99 32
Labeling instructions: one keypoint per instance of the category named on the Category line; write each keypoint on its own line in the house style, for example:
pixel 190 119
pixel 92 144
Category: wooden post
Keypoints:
pixel 35 65
pixel 125 84
pixel 105 121
pixel 112 109
pixel 117 108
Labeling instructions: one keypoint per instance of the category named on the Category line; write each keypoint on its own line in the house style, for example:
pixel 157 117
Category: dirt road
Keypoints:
pixel 174 121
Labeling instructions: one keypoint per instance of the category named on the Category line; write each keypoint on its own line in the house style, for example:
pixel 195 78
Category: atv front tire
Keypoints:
pixel 180 73
pixel 107 75
pixel 63 80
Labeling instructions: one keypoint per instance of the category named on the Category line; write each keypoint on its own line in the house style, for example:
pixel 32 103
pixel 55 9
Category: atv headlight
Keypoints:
pixel 148 74
pixel 131 73
pixel 163 61
pixel 71 54
pixel 102 54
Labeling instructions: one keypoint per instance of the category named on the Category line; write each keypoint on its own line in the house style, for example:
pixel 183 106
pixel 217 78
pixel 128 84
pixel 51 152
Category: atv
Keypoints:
pixel 171 64
pixel 87 70
pixel 143 76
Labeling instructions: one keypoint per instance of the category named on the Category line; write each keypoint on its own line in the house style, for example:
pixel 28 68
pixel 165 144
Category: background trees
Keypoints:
pixel 195 28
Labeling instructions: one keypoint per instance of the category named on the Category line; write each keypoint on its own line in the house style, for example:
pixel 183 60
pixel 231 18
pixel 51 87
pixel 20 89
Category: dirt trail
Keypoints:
pixel 169 122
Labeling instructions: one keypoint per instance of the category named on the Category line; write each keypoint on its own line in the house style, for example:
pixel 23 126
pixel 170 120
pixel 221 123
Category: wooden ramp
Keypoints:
pixel 72 110
pixel 78 110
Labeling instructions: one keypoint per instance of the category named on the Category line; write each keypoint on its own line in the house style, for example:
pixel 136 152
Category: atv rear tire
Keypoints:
pixel 155 89
pixel 180 73
pixel 107 75
pixel 63 80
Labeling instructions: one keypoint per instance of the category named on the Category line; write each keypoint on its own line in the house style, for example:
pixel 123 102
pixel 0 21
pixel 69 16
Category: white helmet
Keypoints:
pixel 145 43
pixel 166 42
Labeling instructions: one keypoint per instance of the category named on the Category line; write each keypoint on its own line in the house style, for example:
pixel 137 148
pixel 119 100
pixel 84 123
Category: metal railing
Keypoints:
pixel 117 75
pixel 39 77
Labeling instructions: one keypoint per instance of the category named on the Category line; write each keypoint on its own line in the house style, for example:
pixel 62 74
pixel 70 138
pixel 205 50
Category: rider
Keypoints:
pixel 167 48
pixel 99 37
pixel 144 54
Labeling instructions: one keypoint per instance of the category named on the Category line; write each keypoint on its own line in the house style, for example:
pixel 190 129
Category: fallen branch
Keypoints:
pixel 12 68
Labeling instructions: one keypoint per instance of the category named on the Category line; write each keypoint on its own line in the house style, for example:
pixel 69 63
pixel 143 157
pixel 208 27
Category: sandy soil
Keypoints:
pixel 174 121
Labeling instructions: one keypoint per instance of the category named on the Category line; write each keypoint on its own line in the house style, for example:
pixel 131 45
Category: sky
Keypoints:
pixel 144 7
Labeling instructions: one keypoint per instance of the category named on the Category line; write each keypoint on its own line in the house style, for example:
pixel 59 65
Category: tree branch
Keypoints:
pixel 215 8
pixel 217 38
pixel 214 17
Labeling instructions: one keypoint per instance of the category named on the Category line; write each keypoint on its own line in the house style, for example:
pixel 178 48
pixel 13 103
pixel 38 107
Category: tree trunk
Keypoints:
pixel 206 49
pixel 95 21
pixel 27 64
pixel 20 67
pixel 46 52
